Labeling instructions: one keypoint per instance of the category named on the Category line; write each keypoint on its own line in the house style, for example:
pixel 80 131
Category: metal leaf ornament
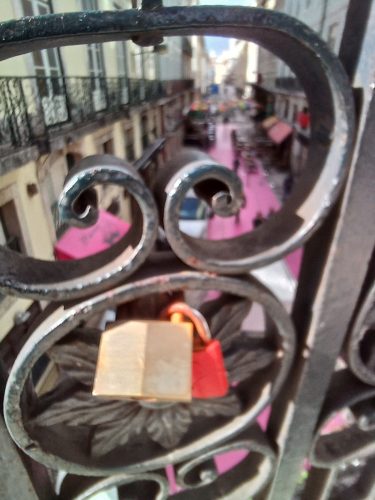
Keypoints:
pixel 116 422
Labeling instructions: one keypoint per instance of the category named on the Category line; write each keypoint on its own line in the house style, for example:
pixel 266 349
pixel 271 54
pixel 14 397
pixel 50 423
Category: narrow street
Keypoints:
pixel 260 199
pixel 281 277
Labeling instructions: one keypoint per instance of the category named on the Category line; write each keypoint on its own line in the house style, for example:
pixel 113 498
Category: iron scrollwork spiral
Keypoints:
pixel 257 466
pixel 356 438
pixel 327 90
pixel 146 485
pixel 218 420
pixel 343 450
pixel 56 440
pixel 29 277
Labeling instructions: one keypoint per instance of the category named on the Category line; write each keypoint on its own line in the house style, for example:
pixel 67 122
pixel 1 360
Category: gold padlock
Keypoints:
pixel 146 360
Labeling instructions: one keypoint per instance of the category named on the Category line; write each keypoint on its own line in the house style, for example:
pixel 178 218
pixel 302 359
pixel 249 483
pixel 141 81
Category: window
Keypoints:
pixel 46 62
pixel 295 112
pixel 89 4
pixel 121 56
pixel 332 35
pixel 138 64
pixel 70 160
pixel 108 147
pixel 129 144
pixel 121 52
pixel 48 70
pixel 286 109
pixel 122 70
pixel 144 131
pixel 10 230
pixel 96 63
pixel 154 129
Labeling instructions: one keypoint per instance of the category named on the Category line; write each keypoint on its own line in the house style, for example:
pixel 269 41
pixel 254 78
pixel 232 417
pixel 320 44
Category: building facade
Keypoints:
pixel 278 88
pixel 60 105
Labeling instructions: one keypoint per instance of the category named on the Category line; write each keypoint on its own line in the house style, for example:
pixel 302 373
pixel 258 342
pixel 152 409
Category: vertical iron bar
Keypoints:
pixel 27 119
pixel 67 103
pixel 143 76
pixel 324 266
pixel 126 61
pixel 332 307
pixel 12 116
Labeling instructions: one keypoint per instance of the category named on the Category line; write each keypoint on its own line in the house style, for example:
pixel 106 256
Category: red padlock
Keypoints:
pixel 209 377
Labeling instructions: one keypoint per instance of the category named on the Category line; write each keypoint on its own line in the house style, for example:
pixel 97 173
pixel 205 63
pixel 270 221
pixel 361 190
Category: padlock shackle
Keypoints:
pixel 195 316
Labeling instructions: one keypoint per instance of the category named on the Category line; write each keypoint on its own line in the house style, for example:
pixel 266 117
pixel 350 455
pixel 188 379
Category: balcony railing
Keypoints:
pixel 288 83
pixel 31 107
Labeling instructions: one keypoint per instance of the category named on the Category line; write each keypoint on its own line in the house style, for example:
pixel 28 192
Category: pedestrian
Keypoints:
pixel 288 186
pixel 303 118
pixel 236 165
pixel 237 219
pixel 258 220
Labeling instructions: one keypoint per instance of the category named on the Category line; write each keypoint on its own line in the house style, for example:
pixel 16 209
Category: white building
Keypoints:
pixel 278 87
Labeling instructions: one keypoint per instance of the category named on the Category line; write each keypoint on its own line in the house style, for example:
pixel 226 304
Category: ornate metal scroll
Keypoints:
pixel 70 429
pixel 343 448
pixel 320 74
pixel 38 279
pixel 257 466
pixel 246 399
pixel 357 439
pixel 147 485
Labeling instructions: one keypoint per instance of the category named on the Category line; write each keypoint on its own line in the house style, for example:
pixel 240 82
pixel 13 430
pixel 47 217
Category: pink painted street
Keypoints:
pixel 260 199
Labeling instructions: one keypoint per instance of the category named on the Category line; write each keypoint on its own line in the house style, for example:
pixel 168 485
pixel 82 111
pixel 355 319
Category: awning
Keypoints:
pixel 279 132
pixel 79 243
pixel 269 122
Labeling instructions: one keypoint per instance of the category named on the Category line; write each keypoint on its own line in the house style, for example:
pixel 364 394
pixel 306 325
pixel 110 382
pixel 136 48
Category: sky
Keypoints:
pixel 220 44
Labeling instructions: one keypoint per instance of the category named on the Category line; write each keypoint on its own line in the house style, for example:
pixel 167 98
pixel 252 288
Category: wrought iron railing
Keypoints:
pixel 30 106
pixel 300 366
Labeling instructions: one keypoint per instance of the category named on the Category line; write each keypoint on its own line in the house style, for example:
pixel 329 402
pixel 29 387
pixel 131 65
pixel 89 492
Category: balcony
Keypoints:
pixel 34 110
pixel 288 83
